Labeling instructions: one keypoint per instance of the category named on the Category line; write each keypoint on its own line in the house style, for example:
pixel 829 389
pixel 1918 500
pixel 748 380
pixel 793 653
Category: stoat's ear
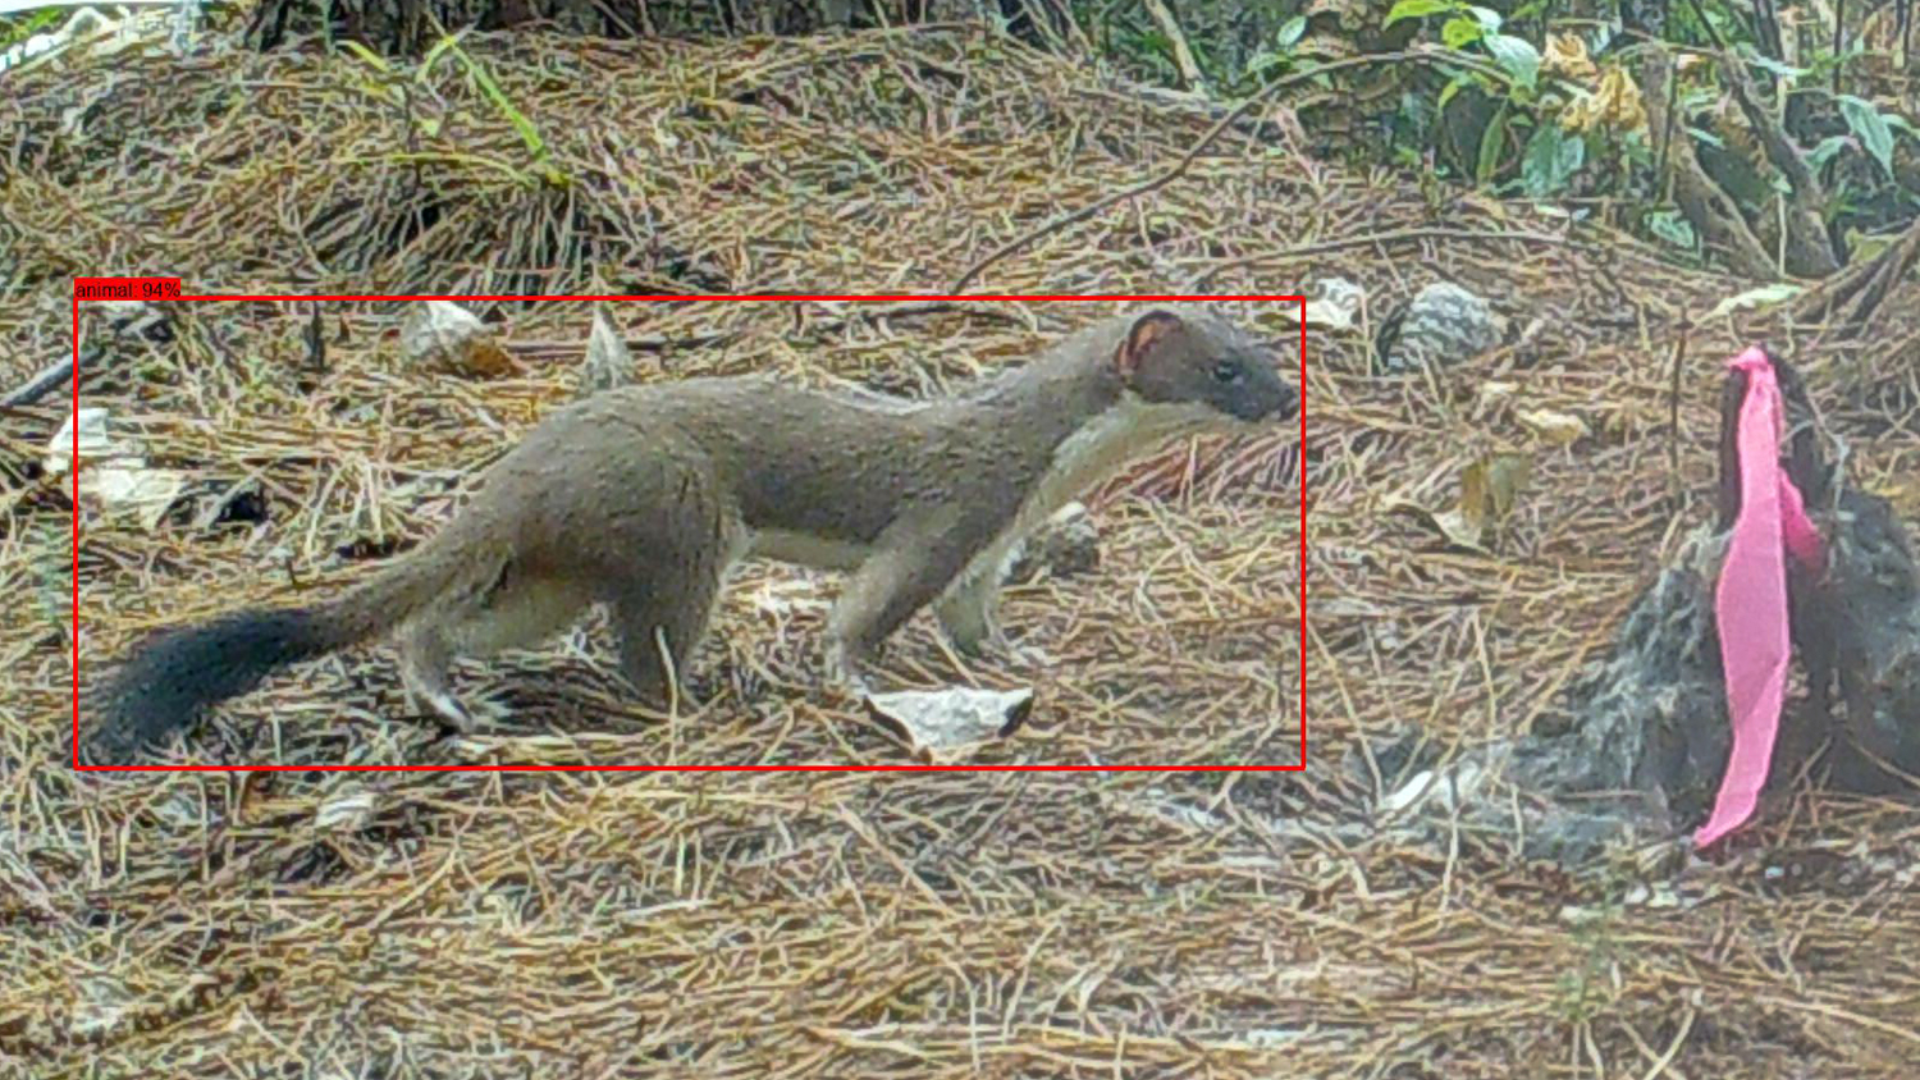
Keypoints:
pixel 1146 334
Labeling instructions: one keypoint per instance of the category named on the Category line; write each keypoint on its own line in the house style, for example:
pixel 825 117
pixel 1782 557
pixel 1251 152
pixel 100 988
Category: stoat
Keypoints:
pixel 641 498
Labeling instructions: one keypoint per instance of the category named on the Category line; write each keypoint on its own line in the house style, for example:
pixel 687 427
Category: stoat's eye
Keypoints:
pixel 1227 371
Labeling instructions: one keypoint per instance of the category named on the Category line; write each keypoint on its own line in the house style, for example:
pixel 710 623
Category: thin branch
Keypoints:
pixel 1186 161
pixel 1807 231
pixel 39 386
pixel 1182 52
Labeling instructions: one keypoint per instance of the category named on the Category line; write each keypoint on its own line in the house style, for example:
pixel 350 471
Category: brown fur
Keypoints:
pixel 641 498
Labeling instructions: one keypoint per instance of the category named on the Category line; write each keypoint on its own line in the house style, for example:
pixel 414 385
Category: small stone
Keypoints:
pixel 1443 324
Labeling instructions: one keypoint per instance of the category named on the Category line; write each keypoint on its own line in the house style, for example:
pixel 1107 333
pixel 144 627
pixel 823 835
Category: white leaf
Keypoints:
pixel 937 723
pixel 1764 296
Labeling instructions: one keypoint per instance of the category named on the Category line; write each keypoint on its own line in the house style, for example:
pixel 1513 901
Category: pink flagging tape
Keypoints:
pixel 1751 601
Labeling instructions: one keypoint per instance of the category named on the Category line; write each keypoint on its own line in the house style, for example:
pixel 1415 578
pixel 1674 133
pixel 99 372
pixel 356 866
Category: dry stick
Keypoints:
pixel 727 337
pixel 39 386
pixel 1186 161
pixel 1666 134
pixel 1808 195
pixel 1884 272
pixel 1673 405
pixel 1715 217
pixel 1325 247
pixel 642 344
pixel 1182 52
pixel 903 310
pixel 1863 285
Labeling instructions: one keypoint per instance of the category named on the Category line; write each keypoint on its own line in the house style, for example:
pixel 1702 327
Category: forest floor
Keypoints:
pixel 406 924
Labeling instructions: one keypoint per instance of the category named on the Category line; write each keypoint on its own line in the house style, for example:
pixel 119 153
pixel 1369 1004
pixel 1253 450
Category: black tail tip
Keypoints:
pixel 167 682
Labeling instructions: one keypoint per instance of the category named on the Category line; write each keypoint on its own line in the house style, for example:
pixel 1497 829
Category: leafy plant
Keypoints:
pixel 1871 128
pixel 1278 58
pixel 15 29
pixel 529 134
pixel 1552 159
pixel 1469 24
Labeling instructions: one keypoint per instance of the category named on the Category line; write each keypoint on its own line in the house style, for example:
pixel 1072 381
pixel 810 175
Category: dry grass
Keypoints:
pixel 1039 924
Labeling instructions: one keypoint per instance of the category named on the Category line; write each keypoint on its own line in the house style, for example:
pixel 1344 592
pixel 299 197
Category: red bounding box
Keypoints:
pixel 168 289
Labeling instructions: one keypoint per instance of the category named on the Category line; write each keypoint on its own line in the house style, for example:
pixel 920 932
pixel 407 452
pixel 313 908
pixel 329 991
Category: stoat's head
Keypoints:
pixel 1204 367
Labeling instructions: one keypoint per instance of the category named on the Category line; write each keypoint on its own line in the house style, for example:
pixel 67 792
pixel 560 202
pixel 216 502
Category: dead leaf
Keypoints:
pixel 1764 296
pixel 1557 428
pixel 139 492
pixel 1334 305
pixel 1507 476
pixel 1491 396
pixel 1614 104
pixel 442 334
pixel 1463 526
pixel 94 443
pixel 940 725
pixel 608 363
pixel 1449 790
pixel 112 475
pixel 1566 55
pixel 1489 490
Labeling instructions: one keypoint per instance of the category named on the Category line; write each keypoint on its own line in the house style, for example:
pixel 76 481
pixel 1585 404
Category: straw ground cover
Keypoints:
pixel 1166 923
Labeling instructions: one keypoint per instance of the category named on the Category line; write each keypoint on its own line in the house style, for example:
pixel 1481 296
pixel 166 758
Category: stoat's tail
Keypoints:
pixel 167 681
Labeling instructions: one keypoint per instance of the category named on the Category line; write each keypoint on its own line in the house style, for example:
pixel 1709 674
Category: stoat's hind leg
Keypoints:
pixel 424 658
pixel 516 611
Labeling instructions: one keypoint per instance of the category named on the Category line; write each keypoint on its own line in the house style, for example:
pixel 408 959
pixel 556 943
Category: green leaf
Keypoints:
pixel 1290 33
pixel 1668 225
pixel 1707 137
pixel 366 56
pixel 447 43
pixel 1492 141
pixel 1552 158
pixel 1870 128
pixel 1417 9
pixel 14 32
pixel 1829 147
pixel 1460 32
pixel 1773 67
pixel 1518 56
pixel 1452 88
pixel 1488 19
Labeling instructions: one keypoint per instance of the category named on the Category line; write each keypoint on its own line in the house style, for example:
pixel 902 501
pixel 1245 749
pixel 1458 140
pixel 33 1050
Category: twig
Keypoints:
pixel 1394 236
pixel 908 309
pixel 1807 233
pixel 1673 404
pixel 641 344
pixel 1182 52
pixel 1186 161
pixel 1716 219
pixel 1863 286
pixel 39 386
